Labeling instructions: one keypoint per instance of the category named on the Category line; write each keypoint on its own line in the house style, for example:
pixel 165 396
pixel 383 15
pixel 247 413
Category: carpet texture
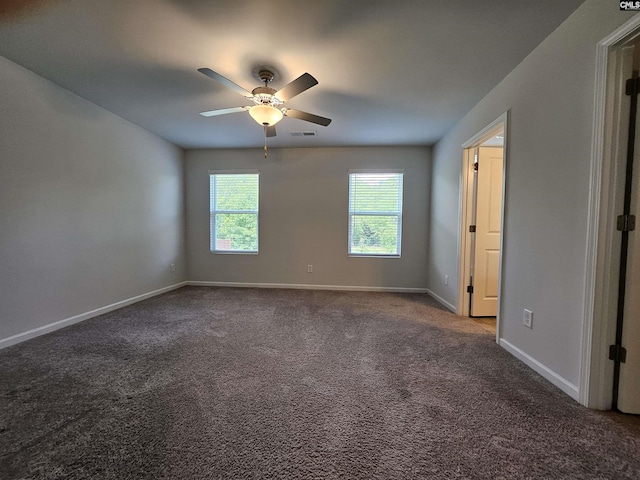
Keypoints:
pixel 222 383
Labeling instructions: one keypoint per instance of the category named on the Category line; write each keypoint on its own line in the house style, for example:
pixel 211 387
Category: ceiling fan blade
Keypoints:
pixel 308 117
pixel 271 131
pixel 225 81
pixel 299 85
pixel 224 111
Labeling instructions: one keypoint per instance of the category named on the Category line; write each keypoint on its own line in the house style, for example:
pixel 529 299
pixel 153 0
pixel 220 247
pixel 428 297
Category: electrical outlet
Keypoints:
pixel 446 280
pixel 172 267
pixel 309 268
pixel 527 318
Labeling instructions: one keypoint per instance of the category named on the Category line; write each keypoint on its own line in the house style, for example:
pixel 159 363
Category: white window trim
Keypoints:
pixel 212 214
pixel 380 213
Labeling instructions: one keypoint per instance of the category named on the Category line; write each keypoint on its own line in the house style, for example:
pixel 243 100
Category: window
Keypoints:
pixel 375 213
pixel 233 209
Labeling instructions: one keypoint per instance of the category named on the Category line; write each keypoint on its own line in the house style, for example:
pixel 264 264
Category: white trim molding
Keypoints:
pixel 304 286
pixel 487 132
pixel 557 380
pixel 51 327
pixel 441 300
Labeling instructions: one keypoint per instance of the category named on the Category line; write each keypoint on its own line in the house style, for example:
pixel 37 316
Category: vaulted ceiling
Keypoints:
pixel 390 72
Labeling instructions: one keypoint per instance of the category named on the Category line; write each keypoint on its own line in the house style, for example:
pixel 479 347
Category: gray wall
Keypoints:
pixel 92 208
pixel 304 217
pixel 550 96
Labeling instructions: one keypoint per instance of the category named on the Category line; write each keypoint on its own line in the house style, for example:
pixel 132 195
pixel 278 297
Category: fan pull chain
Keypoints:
pixel 265 141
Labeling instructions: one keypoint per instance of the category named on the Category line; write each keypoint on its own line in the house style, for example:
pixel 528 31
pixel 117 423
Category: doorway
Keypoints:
pixel 482 219
pixel 611 357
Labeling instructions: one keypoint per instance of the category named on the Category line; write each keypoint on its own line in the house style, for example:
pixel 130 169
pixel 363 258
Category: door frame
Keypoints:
pixel 601 266
pixel 466 201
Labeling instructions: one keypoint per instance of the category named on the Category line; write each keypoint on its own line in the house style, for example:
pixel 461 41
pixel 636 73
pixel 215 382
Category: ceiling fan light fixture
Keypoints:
pixel 265 115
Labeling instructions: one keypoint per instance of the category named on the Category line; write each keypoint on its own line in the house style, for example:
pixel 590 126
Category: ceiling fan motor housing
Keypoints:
pixel 265 96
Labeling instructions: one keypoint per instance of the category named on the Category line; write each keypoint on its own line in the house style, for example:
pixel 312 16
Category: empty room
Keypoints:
pixel 297 239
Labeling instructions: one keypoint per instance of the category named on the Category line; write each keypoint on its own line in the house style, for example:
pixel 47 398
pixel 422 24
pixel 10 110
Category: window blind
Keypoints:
pixel 375 213
pixel 234 199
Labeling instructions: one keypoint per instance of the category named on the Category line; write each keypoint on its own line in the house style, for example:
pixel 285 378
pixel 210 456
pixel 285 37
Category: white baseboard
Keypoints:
pixel 564 385
pixel 36 332
pixel 442 301
pixel 303 286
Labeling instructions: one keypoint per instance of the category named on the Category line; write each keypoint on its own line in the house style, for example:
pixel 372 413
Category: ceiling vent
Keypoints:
pixel 308 133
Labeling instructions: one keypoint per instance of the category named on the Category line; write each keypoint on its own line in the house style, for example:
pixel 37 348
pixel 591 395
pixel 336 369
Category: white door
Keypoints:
pixel 488 215
pixel 629 386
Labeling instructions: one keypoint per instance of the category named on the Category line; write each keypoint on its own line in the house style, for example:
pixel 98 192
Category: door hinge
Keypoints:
pixel 470 289
pixel 618 353
pixel 626 223
pixel 472 229
pixel 475 166
pixel 632 85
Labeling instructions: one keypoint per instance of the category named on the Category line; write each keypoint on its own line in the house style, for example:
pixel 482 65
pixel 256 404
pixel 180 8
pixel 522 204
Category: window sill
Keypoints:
pixel 230 252
pixel 370 255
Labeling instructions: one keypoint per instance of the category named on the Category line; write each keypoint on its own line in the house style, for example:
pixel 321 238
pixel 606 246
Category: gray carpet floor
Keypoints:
pixel 222 383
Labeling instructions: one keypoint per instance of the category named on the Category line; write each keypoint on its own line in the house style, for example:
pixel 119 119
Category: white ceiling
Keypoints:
pixel 390 72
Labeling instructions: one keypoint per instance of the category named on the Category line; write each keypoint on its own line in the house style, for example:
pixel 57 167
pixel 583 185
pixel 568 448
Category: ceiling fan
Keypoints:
pixel 268 104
